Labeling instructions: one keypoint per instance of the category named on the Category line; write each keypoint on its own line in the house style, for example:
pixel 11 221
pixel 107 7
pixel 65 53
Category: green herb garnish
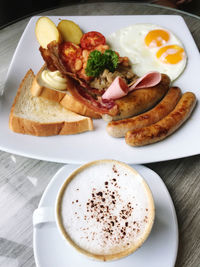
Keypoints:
pixel 113 60
pixel 98 62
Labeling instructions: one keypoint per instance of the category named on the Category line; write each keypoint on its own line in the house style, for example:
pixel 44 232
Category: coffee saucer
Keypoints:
pixel 160 249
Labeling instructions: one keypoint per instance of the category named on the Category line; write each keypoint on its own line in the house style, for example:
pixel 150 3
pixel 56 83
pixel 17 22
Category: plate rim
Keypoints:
pixel 67 159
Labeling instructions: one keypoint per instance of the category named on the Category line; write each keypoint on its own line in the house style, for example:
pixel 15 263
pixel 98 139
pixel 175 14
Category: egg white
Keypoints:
pixel 130 42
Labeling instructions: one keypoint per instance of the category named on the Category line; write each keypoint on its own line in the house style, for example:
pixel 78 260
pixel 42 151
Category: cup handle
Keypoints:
pixel 43 215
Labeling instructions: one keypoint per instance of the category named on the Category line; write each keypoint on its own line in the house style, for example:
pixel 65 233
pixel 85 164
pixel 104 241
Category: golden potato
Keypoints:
pixel 46 31
pixel 70 31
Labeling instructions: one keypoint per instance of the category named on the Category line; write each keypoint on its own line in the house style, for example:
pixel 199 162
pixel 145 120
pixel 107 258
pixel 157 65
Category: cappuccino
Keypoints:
pixel 105 209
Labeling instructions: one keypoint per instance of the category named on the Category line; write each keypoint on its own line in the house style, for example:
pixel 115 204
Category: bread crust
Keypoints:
pixel 62 97
pixel 22 125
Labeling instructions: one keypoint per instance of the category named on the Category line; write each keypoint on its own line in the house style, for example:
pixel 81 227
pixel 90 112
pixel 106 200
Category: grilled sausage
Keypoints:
pixel 167 104
pixel 163 128
pixel 139 101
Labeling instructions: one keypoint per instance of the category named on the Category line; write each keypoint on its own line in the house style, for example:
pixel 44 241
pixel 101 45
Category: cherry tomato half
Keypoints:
pixel 92 39
pixel 69 52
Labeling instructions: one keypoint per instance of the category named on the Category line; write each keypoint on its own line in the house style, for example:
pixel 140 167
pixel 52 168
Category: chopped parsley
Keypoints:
pixel 98 62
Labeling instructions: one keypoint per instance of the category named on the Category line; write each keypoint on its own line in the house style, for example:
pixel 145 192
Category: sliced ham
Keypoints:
pixel 148 80
pixel 89 96
pixel 79 89
pixel 119 88
pixel 116 90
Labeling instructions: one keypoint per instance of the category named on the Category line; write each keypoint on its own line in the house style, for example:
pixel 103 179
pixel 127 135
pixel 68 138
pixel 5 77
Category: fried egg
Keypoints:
pixel 150 48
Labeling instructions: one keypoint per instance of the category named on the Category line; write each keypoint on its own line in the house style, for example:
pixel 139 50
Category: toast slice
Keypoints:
pixel 41 117
pixel 62 97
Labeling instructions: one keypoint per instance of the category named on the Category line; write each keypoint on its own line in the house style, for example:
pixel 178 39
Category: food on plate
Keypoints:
pixel 67 58
pixel 73 61
pixel 93 67
pixel 165 127
pixel 132 104
pixel 46 32
pixel 119 88
pixel 41 88
pixel 124 78
pixel 91 40
pixel 150 48
pixel 41 117
pixel 70 31
pixel 139 101
pixel 164 107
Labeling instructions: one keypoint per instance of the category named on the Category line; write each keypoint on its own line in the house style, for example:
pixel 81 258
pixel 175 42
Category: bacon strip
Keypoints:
pixel 100 105
pixel 81 90
pixel 47 58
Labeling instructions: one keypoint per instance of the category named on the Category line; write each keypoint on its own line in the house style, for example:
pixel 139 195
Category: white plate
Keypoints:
pixel 98 144
pixel 160 249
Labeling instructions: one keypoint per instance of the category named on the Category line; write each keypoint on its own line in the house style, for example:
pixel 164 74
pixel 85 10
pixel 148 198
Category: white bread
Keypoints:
pixel 42 117
pixel 62 97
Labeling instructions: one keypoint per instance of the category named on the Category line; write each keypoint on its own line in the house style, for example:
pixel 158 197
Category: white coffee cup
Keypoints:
pixel 104 209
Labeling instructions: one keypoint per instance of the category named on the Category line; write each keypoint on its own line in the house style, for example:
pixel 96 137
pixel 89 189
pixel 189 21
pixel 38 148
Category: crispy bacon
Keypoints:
pixel 98 104
pixel 53 60
pixel 81 90
pixel 54 51
pixel 47 58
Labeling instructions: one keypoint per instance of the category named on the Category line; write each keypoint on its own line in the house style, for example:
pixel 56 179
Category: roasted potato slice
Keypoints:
pixel 70 31
pixel 46 31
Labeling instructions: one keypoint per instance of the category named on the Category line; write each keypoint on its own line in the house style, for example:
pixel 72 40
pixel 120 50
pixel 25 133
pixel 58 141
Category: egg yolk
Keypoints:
pixel 170 54
pixel 156 38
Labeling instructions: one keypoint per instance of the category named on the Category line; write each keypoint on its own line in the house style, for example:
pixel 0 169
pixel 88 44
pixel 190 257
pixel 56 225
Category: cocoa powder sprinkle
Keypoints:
pixel 99 194
pixel 101 207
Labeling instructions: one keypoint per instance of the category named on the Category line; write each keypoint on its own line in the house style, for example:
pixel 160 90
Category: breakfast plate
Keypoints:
pixel 98 144
pixel 160 249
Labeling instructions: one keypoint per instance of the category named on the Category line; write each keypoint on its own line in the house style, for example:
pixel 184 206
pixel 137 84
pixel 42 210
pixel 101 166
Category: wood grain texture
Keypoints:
pixel 23 180
pixel 181 177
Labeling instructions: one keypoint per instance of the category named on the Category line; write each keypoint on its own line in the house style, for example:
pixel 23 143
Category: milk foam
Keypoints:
pixel 105 208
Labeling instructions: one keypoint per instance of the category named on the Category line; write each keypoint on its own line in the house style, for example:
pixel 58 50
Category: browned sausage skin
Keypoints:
pixel 163 128
pixel 167 104
pixel 139 101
